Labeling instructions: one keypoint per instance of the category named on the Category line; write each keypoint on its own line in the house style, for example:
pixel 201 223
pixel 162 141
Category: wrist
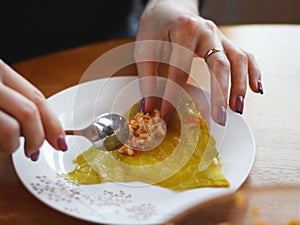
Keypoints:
pixel 188 5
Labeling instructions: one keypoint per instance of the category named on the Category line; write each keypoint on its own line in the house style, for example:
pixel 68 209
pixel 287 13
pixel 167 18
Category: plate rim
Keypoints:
pixel 27 186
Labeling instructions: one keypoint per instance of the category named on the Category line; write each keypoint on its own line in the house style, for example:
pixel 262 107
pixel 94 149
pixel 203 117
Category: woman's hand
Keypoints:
pixel 179 22
pixel 24 111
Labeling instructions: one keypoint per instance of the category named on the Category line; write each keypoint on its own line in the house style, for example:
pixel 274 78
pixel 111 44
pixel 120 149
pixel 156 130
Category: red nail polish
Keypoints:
pixel 142 106
pixel 168 118
pixel 62 144
pixel 222 116
pixel 35 156
pixel 260 87
pixel 239 104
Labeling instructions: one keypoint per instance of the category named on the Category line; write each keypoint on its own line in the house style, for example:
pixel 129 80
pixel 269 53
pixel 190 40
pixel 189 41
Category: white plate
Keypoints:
pixel 116 203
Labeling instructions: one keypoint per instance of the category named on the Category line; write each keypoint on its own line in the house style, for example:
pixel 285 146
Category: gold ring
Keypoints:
pixel 212 51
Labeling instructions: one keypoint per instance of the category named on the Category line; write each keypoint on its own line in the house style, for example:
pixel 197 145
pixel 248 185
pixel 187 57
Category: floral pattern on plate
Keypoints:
pixel 67 193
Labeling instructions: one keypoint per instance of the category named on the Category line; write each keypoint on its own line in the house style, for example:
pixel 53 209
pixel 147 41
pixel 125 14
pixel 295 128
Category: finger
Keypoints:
pixel 200 99
pixel 179 68
pixel 148 87
pixel 147 64
pixel 53 130
pixel 219 69
pixel 254 74
pixel 239 75
pixel 27 115
pixel 9 133
pixel 183 35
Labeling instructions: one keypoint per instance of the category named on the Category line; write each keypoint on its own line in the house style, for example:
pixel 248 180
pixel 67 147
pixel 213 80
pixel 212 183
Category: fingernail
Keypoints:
pixel 61 142
pixel 142 106
pixel 239 104
pixel 260 87
pixel 222 116
pixel 35 156
pixel 168 118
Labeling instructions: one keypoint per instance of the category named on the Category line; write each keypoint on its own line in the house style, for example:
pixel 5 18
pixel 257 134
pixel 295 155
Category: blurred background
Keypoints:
pixel 33 28
pixel 252 11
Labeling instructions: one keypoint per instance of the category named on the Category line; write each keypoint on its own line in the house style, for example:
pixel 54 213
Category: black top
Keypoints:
pixel 33 28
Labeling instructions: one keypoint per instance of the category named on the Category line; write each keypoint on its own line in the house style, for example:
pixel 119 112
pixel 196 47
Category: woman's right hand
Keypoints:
pixel 24 111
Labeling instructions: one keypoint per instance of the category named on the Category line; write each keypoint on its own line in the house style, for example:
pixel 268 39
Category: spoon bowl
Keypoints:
pixel 108 132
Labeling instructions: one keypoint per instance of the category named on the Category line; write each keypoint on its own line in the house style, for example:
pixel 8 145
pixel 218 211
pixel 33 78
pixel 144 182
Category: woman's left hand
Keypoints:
pixel 179 23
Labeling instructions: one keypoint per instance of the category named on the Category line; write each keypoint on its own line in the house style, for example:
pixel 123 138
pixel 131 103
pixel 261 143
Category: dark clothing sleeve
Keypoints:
pixel 201 3
pixel 33 28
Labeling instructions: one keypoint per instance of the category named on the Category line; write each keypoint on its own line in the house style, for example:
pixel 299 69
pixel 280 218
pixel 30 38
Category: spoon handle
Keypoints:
pixel 93 132
pixel 75 132
pixel 70 132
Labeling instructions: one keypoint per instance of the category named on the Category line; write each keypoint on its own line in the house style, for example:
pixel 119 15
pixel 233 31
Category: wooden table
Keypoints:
pixel 273 117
